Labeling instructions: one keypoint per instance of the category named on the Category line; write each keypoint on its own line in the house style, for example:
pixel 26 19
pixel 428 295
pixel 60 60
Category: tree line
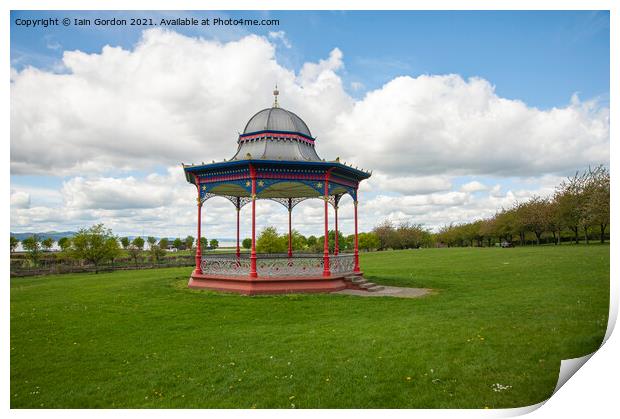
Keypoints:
pixel 98 245
pixel 579 208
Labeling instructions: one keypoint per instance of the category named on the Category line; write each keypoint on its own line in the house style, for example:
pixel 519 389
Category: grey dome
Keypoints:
pixel 276 119
pixel 276 134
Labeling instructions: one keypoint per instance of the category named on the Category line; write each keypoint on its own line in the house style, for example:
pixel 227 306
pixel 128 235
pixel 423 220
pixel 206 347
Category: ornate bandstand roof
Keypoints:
pixel 276 134
pixel 277 150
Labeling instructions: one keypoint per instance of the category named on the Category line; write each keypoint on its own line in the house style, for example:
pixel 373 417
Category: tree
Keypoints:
pixel 298 240
pixel 163 243
pixel 189 242
pixel 388 238
pixel 488 230
pixel 535 215
pixel 125 242
pixel 14 244
pixel 598 199
pixel 367 241
pixel 214 244
pixel 270 242
pixel 411 236
pixel 151 241
pixel 246 243
pixel 138 242
pixel 47 244
pixel 135 252
pixel 204 243
pixel 113 250
pixel 157 252
pixel 312 243
pixel 94 245
pixel 32 245
pixel 570 203
pixel 178 243
pixel 64 243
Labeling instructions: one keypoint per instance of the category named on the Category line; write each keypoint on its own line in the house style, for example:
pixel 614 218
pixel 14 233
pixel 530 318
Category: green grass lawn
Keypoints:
pixel 142 339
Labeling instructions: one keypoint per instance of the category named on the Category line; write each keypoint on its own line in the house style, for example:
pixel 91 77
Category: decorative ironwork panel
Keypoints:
pixel 225 266
pixel 275 265
pixel 296 266
pixel 285 201
pixel 343 263
pixel 334 199
pixel 206 195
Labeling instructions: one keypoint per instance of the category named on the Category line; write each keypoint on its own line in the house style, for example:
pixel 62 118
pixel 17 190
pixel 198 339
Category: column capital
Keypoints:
pixel 199 201
pixel 254 197
pixel 355 203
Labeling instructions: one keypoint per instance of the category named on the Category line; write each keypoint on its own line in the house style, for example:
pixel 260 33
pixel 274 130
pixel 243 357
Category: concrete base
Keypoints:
pixel 269 285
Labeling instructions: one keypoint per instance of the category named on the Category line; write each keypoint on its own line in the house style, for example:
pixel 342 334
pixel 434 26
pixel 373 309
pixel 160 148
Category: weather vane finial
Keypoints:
pixel 275 96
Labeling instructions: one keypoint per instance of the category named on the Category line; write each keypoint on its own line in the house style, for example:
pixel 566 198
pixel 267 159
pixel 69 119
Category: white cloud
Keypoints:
pixel 473 186
pixel 174 98
pixel 281 36
pixel 356 85
pixel 20 199
pixel 447 125
pixel 409 185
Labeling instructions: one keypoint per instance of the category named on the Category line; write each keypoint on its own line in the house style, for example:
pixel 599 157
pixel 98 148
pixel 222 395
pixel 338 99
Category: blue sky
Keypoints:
pixel 539 58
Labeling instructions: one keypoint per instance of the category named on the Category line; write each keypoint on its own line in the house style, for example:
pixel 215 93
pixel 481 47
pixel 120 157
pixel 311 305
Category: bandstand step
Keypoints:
pixel 359 281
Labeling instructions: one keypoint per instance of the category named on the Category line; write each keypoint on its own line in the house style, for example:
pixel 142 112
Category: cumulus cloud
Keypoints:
pixel 409 185
pixel 473 186
pixel 281 36
pixel 445 124
pixel 173 98
pixel 20 199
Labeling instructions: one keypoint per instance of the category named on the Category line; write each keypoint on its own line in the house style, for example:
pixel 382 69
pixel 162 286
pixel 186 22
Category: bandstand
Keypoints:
pixel 276 159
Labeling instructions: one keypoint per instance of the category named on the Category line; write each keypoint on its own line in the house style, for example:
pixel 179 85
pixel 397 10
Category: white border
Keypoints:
pixel 592 392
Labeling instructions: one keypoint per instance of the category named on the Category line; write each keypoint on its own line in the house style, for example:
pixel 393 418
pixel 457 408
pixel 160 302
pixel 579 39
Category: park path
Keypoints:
pixel 401 292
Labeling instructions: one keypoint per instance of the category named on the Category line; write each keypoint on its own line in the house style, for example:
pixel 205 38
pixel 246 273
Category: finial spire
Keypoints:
pixel 275 97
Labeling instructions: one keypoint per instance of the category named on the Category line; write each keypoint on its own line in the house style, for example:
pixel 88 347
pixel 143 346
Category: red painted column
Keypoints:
pixel 290 236
pixel 326 271
pixel 356 267
pixel 336 237
pixel 198 246
pixel 238 210
pixel 253 272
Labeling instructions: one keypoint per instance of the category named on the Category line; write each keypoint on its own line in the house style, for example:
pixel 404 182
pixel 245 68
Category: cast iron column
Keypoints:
pixel 326 271
pixel 356 267
pixel 198 247
pixel 253 273
pixel 290 240
pixel 336 236
pixel 238 210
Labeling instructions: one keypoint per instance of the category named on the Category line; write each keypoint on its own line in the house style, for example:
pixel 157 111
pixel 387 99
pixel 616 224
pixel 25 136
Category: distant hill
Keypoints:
pixel 55 235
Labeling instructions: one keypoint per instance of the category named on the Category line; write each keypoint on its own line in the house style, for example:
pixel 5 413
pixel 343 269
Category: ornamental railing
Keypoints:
pixel 275 264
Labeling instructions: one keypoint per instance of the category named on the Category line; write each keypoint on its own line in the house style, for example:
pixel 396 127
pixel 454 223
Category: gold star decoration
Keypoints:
pixel 247 183
pixel 204 187
pixel 318 185
pixel 261 183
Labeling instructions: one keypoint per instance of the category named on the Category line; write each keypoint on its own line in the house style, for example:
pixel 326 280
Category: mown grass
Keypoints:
pixel 142 339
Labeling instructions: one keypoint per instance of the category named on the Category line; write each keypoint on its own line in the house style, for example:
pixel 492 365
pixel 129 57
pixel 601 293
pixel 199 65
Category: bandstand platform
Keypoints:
pixel 276 160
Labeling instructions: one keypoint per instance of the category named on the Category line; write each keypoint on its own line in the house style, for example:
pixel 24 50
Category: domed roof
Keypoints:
pixel 276 134
pixel 276 119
